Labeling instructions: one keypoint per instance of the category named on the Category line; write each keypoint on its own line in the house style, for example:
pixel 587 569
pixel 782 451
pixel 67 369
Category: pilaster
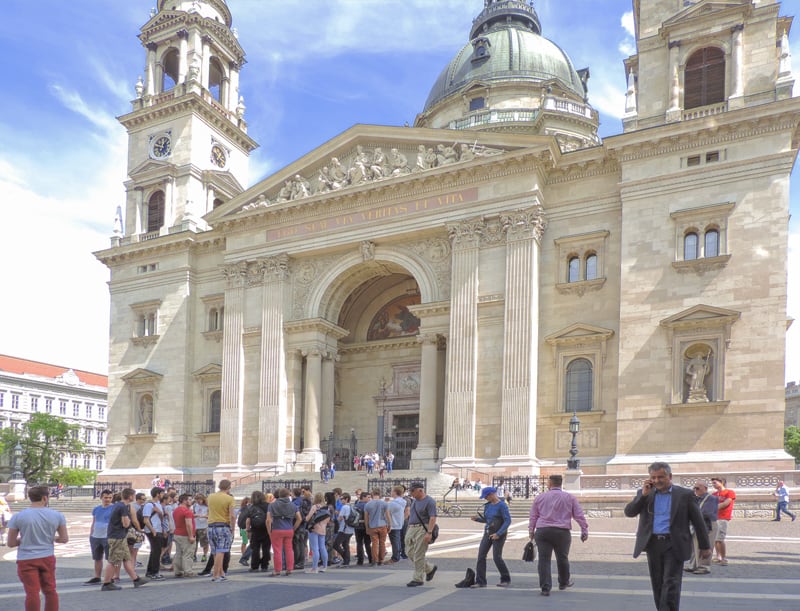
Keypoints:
pixel 424 455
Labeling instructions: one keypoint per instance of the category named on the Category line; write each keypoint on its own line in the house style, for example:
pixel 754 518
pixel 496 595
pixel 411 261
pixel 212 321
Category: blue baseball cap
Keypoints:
pixel 487 491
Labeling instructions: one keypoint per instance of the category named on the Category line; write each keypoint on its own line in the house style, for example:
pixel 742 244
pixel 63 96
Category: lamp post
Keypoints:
pixel 17 473
pixel 353 446
pixel 381 414
pixel 573 464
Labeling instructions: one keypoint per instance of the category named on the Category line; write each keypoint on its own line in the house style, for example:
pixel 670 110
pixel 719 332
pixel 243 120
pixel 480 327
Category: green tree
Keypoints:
pixel 73 477
pixel 791 441
pixel 42 439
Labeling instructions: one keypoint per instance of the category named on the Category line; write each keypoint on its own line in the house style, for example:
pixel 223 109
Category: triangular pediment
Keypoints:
pixel 142 376
pixel 224 180
pixel 701 316
pixel 704 9
pixel 370 156
pixel 212 370
pixel 151 167
pixel 579 333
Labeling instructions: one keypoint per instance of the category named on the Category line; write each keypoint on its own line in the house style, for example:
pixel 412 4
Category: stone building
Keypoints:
pixel 79 397
pixel 792 404
pixel 454 291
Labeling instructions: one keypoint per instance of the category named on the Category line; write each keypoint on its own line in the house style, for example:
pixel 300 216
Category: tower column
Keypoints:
pixel 206 61
pixel 328 376
pixel 462 361
pixel 232 416
pixel 272 417
pixel 150 74
pixel 524 229
pixel 737 68
pixel 294 375
pixel 674 111
pixel 424 455
pixel 233 100
pixel 183 65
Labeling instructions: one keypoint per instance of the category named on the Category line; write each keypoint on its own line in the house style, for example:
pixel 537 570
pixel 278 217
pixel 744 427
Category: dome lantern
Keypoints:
pixel 502 13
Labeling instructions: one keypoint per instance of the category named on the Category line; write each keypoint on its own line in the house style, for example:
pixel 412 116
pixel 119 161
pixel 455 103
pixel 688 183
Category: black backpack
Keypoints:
pixel 319 515
pixel 258 517
pixel 243 515
pixel 140 515
pixel 354 518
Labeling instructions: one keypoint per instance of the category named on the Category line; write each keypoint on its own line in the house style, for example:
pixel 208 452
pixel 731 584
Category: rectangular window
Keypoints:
pixel 75 433
pixel 86 461
pixel 712 156
pixel 87 436
pixel 62 407
pixel 34 404
pixel 48 405
pixel 101 437
pixel 101 412
pixel 14 401
pixel 2 398
pixel 89 407
pixel 692 161
pixel 76 410
pixel 98 463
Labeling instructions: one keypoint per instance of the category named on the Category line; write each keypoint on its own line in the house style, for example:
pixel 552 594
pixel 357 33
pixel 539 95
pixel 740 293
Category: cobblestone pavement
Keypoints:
pixel 763 575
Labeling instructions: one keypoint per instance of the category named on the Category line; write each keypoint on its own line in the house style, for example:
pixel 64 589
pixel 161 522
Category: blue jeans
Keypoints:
pixel 317 544
pixel 394 539
pixel 783 506
pixel 497 555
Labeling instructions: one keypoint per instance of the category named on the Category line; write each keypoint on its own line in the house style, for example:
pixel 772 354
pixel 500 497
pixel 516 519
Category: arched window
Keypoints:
pixel 578 386
pixel 704 78
pixel 591 267
pixel 73 461
pixel 170 63
pixel 215 408
pixel 711 243
pixel 690 246
pixel 155 211
pixel 574 270
pixel 215 77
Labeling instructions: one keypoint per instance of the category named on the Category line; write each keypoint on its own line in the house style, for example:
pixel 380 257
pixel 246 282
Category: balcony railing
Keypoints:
pixel 705 111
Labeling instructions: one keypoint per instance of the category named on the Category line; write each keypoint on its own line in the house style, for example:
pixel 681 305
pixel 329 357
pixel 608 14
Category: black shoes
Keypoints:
pixel 429 575
pixel 569 584
pixel 545 592
pixel 414 584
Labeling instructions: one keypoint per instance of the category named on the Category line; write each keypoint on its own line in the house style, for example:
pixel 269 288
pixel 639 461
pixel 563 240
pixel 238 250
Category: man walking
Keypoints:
pixel 497 519
pixel 98 535
pixel 118 550
pixel 725 513
pixel 421 522
pixel 665 512
pixel 221 524
pixel 783 502
pixel 153 516
pixel 363 545
pixel 184 536
pixel 550 523
pixel 377 520
pixel 34 531
pixel 397 511
pixel 708 508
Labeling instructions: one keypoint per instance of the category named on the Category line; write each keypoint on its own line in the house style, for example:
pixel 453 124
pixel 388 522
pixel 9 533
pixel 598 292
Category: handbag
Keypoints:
pixel 434 533
pixel 529 552
pixel 134 536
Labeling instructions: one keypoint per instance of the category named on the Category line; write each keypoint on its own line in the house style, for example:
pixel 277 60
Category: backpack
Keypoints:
pixel 258 517
pixel 319 515
pixel 241 521
pixel 140 515
pixel 354 519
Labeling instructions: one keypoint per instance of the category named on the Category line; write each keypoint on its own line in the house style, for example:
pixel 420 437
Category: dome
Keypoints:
pixel 506 45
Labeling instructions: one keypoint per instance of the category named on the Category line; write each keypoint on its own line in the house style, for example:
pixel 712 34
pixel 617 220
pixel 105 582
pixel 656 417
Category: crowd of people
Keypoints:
pixel 298 530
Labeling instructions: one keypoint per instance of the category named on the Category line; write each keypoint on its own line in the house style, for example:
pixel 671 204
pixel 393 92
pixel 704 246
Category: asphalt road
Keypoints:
pixel 763 575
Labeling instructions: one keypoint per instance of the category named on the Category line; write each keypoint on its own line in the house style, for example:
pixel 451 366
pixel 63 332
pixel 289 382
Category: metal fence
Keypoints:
pixel 98 487
pixel 522 486
pixel 205 486
pixel 271 485
pixel 386 485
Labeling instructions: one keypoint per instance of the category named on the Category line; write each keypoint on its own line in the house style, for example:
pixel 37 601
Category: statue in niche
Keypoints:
pixel 398 163
pixel 367 250
pixel 698 366
pixel 145 415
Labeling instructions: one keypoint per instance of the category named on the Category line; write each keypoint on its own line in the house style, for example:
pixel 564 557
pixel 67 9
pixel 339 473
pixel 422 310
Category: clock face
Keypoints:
pixel 218 156
pixel 161 147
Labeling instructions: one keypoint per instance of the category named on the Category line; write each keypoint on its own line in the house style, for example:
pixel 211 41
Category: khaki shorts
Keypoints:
pixel 722 529
pixel 118 551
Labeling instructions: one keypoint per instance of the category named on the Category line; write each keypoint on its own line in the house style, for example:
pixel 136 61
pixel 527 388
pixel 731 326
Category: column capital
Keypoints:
pixel 737 28
pixel 267 269
pixel 428 338
pixel 312 351
pixel 235 274
pixel 467 233
pixel 152 47
pixel 524 224
pixel 182 34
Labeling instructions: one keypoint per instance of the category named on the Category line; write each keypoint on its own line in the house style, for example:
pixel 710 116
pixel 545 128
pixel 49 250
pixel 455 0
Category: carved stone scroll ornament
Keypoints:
pixel 235 274
pixel 526 223
pixel 467 233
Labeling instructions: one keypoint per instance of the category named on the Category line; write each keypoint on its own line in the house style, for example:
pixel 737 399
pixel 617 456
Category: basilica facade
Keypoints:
pixel 456 291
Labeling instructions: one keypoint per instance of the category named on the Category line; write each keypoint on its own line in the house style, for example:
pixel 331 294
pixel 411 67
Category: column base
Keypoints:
pixel 230 471
pixel 460 461
pixel 520 463
pixel 16 490
pixel 424 459
pixel 572 479
pixel 309 460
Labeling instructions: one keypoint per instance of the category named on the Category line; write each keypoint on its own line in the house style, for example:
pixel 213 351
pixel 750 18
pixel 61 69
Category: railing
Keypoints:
pixel 113 486
pixel 152 235
pixel 521 486
pixel 205 486
pixel 494 116
pixel 272 485
pixel 386 485
pixel 256 476
pixel 705 111
pixel 748 480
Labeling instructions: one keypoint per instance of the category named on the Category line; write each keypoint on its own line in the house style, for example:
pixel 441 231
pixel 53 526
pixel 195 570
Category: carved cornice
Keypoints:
pixel 580 288
pixel 524 224
pixel 164 23
pixel 380 346
pixel 701 266
pixel 213 336
pixel 423 310
pixel 147 340
pixel 568 171
pixel 162 246
pixel 467 233
pixel 319 325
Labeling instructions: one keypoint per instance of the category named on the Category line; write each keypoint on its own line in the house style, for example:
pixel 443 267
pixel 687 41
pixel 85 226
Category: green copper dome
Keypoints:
pixel 506 45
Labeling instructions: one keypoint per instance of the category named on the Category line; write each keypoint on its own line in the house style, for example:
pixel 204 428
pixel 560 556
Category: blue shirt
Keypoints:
pixel 662 506
pixel 101 517
pixel 494 510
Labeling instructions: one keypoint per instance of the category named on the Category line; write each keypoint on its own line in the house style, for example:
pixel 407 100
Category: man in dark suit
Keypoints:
pixel 665 512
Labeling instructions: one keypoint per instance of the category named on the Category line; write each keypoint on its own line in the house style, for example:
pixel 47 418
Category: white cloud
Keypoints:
pixel 626 21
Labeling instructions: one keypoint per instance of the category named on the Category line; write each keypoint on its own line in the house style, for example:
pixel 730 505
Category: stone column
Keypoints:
pixel 424 456
pixel 150 74
pixel 232 416
pixel 313 398
pixel 674 111
pixel 233 87
pixel 462 361
pixel 183 64
pixel 294 375
pixel 326 413
pixel 524 229
pixel 272 392
pixel 206 61
pixel 139 224
pixel 737 68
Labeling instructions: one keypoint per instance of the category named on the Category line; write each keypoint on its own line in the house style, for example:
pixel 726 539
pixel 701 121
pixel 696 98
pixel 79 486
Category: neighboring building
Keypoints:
pixel 792 404
pixel 79 397
pixel 458 302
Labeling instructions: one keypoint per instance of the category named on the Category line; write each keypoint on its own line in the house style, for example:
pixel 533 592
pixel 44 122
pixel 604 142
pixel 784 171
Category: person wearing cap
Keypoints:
pixel 421 520
pixel 550 522
pixel 497 519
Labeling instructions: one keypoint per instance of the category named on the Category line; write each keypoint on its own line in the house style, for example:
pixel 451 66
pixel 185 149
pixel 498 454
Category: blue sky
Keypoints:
pixel 315 68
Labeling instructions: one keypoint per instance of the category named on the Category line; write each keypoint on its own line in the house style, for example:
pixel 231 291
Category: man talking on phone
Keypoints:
pixel 665 512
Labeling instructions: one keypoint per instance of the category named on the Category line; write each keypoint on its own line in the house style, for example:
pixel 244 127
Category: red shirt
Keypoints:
pixel 727 512
pixel 179 516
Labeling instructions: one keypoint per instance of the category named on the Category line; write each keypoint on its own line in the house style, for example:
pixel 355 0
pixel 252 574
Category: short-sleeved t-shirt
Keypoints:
pixel 101 516
pixel 149 511
pixel 727 512
pixel 201 515
pixel 397 509
pixel 37 527
pixel 344 513
pixel 422 510
pixel 179 517
pixel 219 508
pixel 376 510
pixel 115 528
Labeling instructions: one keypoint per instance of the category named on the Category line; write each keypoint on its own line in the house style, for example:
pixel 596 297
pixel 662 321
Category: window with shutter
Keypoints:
pixel 704 78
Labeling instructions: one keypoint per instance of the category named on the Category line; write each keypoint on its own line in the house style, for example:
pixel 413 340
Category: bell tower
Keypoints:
pixel 188 147
pixel 697 58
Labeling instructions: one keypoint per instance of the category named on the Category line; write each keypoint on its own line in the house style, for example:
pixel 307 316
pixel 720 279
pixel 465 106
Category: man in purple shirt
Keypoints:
pixel 550 523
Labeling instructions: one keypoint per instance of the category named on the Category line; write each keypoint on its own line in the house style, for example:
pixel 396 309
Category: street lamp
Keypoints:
pixel 573 464
pixel 382 415
pixel 353 446
pixel 17 473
